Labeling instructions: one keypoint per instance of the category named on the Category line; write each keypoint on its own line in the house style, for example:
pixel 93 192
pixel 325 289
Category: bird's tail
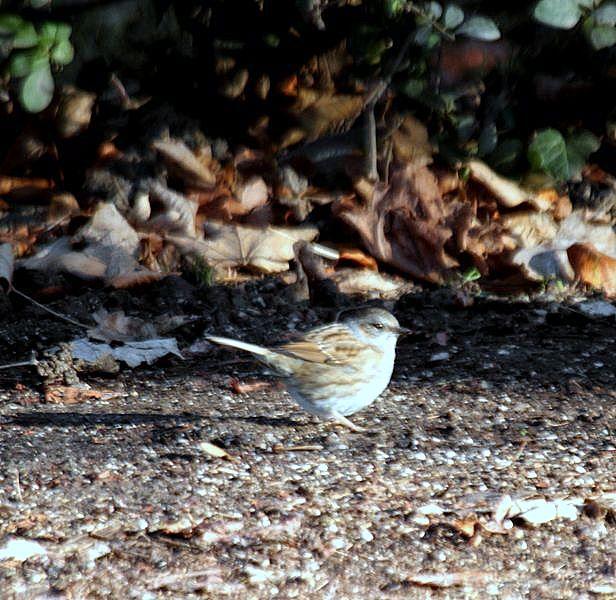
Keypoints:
pixel 223 341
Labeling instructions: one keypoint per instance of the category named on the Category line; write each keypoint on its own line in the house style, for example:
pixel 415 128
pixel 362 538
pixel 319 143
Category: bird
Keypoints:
pixel 335 370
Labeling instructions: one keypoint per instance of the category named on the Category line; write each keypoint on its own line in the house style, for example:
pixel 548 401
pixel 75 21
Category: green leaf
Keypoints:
pixel 53 33
pixel 422 35
pixel 434 9
pixel 562 14
pixel 25 36
pixel 453 16
pixel 394 7
pixel 473 274
pixel 62 53
pixel 10 24
pixel 548 153
pixel 506 155
pixel 579 147
pixel 414 87
pixel 23 62
pixel 605 14
pixel 480 28
pixel 36 89
pixel 22 33
pixel 602 36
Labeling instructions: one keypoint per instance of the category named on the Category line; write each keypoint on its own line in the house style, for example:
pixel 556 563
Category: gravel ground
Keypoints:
pixel 122 496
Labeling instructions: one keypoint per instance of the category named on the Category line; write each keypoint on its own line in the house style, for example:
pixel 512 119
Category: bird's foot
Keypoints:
pixel 339 419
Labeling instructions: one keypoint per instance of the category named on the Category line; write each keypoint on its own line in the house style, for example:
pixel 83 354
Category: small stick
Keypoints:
pixel 422 13
pixel 370 143
pixel 31 362
pixel 49 310
pixel 307 448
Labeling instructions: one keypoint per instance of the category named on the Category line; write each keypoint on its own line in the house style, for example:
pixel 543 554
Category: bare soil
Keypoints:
pixel 127 500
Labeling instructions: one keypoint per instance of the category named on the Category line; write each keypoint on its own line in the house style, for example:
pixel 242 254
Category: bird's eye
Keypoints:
pixel 377 325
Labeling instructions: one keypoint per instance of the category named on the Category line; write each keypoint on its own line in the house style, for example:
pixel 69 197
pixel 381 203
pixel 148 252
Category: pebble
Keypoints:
pixel 97 551
pixel 338 543
pixel 365 535
pixel 256 575
pixel 21 549
pixel 430 509
pixel 492 589
pixel 596 532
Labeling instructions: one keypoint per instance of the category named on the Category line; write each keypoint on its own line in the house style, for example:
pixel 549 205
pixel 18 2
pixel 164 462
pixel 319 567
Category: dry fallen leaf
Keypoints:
pixel 593 268
pixel 320 112
pixel 264 249
pixel 358 258
pixel 183 163
pixel 410 226
pixel 402 224
pixel 369 283
pixel 132 353
pixel 23 185
pixel 178 214
pixel 213 450
pixel 547 248
pixel 117 327
pixel 105 248
pixel 74 111
pixel 507 192
pixel 411 142
pixel 61 394
pixel 466 526
pixel 246 387
pixel 294 191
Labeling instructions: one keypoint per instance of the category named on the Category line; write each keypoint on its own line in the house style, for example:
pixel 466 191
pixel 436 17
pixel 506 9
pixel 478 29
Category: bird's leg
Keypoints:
pixel 339 419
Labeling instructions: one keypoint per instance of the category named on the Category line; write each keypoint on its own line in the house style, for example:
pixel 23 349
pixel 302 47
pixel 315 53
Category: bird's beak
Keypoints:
pixel 402 331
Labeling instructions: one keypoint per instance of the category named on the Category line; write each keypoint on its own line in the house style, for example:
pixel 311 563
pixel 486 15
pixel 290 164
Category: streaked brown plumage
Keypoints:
pixel 337 369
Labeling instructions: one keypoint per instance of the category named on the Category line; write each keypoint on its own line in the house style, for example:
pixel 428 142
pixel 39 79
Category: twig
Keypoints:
pixel 49 310
pixel 307 448
pixel 31 362
pixel 370 145
pixel 422 13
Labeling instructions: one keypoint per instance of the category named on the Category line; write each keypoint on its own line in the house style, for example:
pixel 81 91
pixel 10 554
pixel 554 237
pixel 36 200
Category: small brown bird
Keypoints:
pixel 335 370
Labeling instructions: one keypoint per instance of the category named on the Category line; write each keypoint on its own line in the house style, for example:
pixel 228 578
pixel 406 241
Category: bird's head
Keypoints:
pixel 374 325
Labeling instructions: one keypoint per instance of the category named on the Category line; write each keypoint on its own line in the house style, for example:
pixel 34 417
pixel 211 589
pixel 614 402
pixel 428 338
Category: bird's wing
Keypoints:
pixel 331 344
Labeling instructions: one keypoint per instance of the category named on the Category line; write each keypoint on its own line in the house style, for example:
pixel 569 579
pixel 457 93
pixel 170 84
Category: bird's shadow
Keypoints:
pixel 77 419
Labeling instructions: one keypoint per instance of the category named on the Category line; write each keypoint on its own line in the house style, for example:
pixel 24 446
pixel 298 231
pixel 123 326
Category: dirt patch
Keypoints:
pixel 126 500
